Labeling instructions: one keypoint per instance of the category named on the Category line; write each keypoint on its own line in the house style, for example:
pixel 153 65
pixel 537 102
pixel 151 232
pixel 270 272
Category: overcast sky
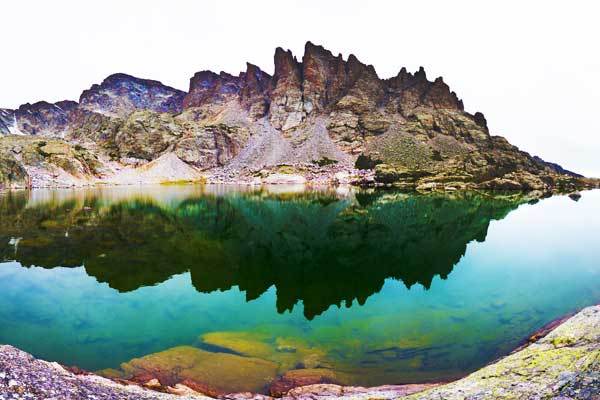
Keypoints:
pixel 532 67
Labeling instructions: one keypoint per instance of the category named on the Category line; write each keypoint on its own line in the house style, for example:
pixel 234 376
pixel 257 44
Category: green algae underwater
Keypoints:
pixel 232 288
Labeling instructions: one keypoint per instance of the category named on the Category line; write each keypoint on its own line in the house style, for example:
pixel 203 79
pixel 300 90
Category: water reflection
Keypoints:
pixel 319 247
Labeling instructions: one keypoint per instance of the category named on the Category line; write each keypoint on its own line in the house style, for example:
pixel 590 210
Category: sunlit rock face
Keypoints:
pixel 121 94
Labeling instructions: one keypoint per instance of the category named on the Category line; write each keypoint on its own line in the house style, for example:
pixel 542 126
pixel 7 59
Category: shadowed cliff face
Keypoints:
pixel 316 248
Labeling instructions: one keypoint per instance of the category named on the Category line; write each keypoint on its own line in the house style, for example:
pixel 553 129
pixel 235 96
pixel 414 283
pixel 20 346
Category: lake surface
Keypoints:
pixel 384 287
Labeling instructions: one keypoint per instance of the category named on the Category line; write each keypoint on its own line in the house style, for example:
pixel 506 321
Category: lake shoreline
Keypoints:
pixel 561 359
pixel 281 185
pixel 169 168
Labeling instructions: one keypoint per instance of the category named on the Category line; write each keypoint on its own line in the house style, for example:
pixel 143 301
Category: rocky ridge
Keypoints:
pixel 316 117
pixel 563 363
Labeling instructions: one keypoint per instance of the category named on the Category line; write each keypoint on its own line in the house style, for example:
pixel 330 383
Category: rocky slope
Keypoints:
pixel 563 364
pixel 318 117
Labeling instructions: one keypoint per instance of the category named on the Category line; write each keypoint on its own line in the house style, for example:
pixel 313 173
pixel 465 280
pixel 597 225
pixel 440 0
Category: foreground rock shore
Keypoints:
pixel 561 363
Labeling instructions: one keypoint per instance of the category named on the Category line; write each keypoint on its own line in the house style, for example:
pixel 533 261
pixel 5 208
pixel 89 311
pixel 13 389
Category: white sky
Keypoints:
pixel 532 67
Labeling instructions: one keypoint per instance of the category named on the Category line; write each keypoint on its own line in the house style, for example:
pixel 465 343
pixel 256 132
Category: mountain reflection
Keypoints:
pixel 318 247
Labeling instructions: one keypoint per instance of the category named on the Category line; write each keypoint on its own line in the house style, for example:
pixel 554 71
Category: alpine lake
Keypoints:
pixel 235 287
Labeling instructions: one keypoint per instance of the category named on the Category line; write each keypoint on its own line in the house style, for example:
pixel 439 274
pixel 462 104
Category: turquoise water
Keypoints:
pixel 386 287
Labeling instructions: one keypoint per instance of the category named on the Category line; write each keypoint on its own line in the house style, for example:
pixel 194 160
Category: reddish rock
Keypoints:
pixel 287 70
pixel 411 91
pixel 256 88
pixel 286 109
pixel 324 77
pixel 438 95
pixel 208 87
pixel 364 85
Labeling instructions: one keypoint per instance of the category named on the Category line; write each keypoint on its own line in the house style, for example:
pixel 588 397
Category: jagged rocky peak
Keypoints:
pixel 121 94
pixel 414 90
pixel 287 104
pixel 256 81
pixel 324 77
pixel 318 84
pixel 208 87
pixel 251 88
pixel 256 88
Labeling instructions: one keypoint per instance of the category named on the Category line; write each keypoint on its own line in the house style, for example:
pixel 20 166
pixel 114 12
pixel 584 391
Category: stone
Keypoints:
pixel 153 383
pixel 304 377
pixel 277 179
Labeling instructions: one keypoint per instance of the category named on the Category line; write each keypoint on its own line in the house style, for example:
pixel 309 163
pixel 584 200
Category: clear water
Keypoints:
pixel 386 287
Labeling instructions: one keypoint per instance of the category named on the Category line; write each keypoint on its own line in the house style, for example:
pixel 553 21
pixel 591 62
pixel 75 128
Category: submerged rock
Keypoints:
pixel 211 373
pixel 288 353
pixel 565 364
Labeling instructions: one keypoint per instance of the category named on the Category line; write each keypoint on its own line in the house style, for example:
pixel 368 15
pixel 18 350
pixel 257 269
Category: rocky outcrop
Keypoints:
pixel 319 112
pixel 34 162
pixel 561 364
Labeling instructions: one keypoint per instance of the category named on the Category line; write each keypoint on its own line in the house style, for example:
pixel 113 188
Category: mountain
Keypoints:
pixel 324 117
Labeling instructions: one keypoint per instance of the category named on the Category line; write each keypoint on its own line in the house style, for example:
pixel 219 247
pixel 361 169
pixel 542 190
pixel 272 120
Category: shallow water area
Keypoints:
pixel 232 287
